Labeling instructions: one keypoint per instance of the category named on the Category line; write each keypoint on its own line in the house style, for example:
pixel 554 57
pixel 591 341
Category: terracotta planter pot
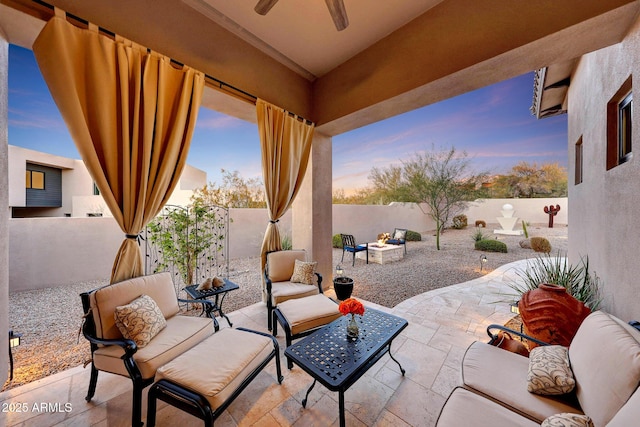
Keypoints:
pixel 343 287
pixel 551 315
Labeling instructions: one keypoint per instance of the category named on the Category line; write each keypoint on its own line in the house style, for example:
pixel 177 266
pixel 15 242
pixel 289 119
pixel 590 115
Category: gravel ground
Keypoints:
pixel 50 319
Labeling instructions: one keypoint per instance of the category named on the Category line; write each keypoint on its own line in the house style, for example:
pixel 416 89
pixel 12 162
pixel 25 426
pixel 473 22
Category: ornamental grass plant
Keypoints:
pixel 576 279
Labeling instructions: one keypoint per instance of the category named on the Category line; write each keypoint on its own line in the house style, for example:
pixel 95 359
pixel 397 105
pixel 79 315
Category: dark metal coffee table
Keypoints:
pixel 331 358
pixel 211 307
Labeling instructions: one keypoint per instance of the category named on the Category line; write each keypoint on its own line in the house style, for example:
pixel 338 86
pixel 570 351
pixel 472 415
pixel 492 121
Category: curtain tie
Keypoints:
pixel 137 237
pixel 274 222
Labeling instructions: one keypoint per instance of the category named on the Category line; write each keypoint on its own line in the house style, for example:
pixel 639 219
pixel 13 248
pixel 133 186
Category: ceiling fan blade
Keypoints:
pixel 264 6
pixel 338 13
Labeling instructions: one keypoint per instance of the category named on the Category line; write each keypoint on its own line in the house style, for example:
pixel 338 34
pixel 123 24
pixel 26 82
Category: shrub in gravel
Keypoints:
pixel 337 241
pixel 540 244
pixel 491 246
pixel 460 221
pixel 413 236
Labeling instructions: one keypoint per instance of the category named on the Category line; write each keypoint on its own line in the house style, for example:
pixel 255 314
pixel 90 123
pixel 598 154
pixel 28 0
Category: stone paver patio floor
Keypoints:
pixel 442 324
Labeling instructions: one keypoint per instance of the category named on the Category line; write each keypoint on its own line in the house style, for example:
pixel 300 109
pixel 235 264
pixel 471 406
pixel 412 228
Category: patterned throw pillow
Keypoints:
pixel 140 320
pixel 549 371
pixel 303 272
pixel 567 420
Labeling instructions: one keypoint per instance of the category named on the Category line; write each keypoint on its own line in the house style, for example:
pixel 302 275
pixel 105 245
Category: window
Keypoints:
pixel 35 180
pixel 579 161
pixel 96 190
pixel 619 124
pixel 624 128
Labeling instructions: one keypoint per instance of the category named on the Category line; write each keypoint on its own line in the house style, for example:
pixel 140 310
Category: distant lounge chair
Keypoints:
pixel 349 245
pixel 399 238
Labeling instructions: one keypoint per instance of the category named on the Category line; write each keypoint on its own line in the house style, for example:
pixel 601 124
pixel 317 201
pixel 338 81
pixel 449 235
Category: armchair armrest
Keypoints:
pixel 319 276
pixel 493 338
pixel 129 346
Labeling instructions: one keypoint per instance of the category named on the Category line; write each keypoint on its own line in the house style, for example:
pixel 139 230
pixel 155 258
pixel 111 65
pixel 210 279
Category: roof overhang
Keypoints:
pixel 550 88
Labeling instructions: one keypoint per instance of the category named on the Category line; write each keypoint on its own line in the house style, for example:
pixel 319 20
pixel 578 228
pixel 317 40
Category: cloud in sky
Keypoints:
pixel 493 125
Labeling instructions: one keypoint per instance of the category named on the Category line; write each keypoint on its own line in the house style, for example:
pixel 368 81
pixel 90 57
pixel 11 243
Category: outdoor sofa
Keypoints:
pixel 219 384
pixel 604 359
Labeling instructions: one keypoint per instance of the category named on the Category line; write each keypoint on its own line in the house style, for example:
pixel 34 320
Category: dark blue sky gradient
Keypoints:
pixel 493 125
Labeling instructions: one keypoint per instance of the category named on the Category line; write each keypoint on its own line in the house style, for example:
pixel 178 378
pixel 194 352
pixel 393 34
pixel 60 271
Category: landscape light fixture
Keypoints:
pixel 339 271
pixel 14 341
pixel 483 261
pixel 514 308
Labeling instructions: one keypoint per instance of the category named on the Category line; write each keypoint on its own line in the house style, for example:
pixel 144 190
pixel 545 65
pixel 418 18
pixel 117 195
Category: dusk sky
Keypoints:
pixel 493 125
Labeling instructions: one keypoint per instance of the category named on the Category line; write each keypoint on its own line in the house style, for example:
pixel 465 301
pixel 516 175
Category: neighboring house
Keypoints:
pixel 45 185
pixel 597 91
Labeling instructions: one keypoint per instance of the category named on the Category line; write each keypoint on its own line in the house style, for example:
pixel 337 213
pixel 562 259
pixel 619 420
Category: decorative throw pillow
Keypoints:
pixel 303 272
pixel 567 420
pixel 549 371
pixel 140 320
pixel 399 234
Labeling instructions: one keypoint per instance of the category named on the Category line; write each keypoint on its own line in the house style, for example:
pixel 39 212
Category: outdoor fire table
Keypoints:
pixel 383 254
pixel 336 361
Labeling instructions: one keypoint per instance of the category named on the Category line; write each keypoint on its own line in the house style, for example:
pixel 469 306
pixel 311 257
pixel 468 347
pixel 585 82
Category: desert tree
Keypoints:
pixel 443 181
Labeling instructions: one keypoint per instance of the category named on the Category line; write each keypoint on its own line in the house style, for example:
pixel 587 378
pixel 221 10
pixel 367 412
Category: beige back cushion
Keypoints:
pixel 105 300
pixel 280 264
pixel 629 414
pixel 605 358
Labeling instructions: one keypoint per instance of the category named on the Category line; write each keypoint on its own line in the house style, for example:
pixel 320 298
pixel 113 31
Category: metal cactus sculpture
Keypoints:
pixel 551 211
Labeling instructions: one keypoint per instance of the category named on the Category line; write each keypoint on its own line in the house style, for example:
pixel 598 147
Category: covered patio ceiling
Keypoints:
pixel 389 60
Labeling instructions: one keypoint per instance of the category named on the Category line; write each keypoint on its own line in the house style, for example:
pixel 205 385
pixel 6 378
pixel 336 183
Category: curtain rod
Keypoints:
pixel 209 80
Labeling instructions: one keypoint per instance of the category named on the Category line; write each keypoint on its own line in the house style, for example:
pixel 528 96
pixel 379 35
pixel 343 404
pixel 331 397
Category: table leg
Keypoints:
pixel 304 401
pixel 343 421
pixel 394 359
pixel 220 309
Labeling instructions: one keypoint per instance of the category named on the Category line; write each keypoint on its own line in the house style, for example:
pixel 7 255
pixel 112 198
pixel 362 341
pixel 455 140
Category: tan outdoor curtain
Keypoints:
pixel 286 145
pixel 131 114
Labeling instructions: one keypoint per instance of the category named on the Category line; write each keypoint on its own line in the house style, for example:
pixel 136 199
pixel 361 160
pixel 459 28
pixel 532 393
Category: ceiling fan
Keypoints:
pixel 336 9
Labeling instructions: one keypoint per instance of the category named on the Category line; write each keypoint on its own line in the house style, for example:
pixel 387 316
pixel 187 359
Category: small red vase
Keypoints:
pixel 551 315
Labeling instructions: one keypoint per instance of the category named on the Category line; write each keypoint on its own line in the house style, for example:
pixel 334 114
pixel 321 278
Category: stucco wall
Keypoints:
pixel 605 207
pixel 46 252
pixel 4 204
pixel 56 251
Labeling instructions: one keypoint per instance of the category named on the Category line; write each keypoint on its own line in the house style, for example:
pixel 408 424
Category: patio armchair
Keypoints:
pixel 349 245
pixel 288 275
pixel 399 238
pixel 112 352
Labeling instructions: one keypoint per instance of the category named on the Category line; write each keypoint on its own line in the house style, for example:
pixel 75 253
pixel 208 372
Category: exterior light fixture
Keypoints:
pixel 339 271
pixel 14 341
pixel 483 261
pixel 514 308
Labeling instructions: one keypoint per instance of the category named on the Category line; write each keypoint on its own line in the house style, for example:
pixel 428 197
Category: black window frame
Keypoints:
pixel 579 162
pixel 625 121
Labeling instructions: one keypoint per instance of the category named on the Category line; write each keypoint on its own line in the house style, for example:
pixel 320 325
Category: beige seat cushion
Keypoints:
pixel 502 376
pixel 218 365
pixel 307 313
pixel 283 291
pixel 465 408
pixel 180 334
pixel 605 359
